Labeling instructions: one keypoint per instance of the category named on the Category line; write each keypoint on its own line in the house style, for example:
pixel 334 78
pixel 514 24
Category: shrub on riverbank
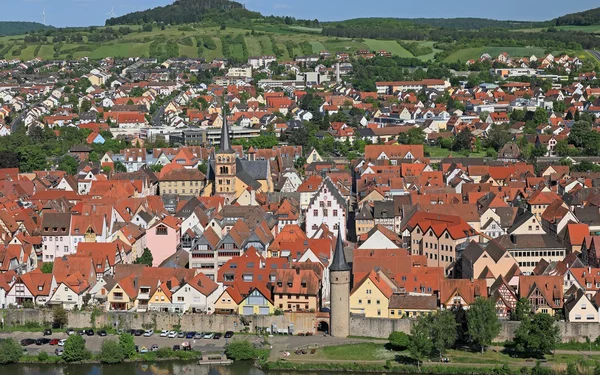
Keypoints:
pixel 111 352
pixel 243 350
pixel 10 351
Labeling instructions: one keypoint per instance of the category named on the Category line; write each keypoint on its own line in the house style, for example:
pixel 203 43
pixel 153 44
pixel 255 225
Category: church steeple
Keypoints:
pixel 225 147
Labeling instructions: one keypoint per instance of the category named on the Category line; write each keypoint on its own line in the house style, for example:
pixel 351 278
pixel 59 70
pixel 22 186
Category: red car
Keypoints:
pixel 54 342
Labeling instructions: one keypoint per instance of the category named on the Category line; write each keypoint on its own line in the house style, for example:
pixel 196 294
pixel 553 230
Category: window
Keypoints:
pixel 360 301
pixel 392 312
pixel 335 213
pixel 368 302
pixel 368 291
pixel 161 230
pixel 378 312
pixel 315 212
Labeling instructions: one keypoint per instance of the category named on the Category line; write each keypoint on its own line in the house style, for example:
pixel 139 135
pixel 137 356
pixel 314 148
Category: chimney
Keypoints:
pixel 297 271
pixel 513 239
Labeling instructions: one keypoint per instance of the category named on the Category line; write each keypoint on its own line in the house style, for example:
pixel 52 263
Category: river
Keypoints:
pixel 158 368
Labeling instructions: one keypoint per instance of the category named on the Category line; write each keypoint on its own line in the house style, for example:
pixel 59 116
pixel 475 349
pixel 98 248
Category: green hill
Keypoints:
pixel 17 28
pixel 188 11
pixel 586 18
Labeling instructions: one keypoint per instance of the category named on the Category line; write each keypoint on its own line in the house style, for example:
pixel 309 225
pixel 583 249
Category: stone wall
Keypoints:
pixel 374 327
pixel 159 321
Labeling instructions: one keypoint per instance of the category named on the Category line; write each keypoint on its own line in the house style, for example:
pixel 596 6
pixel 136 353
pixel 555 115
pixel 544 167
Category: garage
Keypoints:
pixel 263 310
pixel 248 310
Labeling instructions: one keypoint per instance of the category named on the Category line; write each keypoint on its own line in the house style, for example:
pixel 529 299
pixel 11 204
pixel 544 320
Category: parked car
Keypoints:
pixel 208 335
pixel 81 332
pixel 143 349
pixel 47 332
pixel 181 335
pixel 190 335
pixel 217 336
pixel 176 348
pixel 62 342
pixel 154 348
pixel 43 341
pixel 89 332
pixel 102 333
pixel 198 336
pixel 120 332
pixel 229 334
pixel 27 342
pixel 164 333
pixel 139 332
pixel 54 342
pixel 59 351
pixel 132 332
pixel 70 331
pixel 149 333
pixel 172 334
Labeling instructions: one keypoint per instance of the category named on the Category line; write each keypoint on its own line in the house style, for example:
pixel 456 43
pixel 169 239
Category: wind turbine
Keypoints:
pixel 44 16
pixel 111 14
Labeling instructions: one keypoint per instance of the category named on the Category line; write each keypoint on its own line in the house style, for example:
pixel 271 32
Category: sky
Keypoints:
pixel 63 13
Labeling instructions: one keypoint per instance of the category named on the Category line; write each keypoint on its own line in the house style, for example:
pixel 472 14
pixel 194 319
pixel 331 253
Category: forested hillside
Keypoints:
pixel 188 11
pixel 18 28
pixel 589 17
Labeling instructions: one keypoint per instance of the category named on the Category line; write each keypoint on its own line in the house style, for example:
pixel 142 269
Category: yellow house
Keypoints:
pixel 257 302
pixel 407 306
pixel 161 299
pixel 228 302
pixel 122 296
pixel 371 296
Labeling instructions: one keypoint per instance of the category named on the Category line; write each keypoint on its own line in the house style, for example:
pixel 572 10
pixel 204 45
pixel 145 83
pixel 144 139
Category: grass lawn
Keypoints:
pixel 360 352
pixel 307 29
pixel 188 51
pixel 253 44
pixel 27 53
pixel 317 47
pixel 388 45
pixel 343 45
pixel 46 52
pixel 466 54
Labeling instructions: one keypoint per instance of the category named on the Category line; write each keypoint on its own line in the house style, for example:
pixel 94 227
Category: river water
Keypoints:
pixel 158 368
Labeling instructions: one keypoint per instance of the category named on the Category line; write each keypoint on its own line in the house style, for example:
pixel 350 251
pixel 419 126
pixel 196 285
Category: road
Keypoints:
pixel 157 118
pixel 15 123
pixel 596 54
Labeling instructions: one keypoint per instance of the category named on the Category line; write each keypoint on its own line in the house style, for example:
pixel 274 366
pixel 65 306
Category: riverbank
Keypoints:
pixel 150 357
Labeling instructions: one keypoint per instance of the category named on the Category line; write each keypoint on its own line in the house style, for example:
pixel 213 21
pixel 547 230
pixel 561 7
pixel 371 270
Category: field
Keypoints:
pixel 586 29
pixel 467 54
pixel 259 42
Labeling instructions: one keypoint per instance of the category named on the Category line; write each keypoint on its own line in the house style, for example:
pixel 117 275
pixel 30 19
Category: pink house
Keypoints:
pixel 163 239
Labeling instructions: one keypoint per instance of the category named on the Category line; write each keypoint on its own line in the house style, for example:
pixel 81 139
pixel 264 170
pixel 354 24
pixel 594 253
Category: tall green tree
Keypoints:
pixel 538 335
pixel 522 310
pixel 68 164
pixel 399 340
pixel 146 258
pixel 482 322
pixel 60 316
pixel 498 136
pixel 74 349
pixel 127 343
pixel 10 351
pixel 420 344
pixel 443 330
pixel 111 352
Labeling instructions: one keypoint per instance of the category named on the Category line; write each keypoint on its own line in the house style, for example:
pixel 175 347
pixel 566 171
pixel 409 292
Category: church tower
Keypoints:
pixel 339 279
pixel 225 161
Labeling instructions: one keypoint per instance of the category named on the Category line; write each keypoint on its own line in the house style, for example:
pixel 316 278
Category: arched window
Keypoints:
pixel 219 159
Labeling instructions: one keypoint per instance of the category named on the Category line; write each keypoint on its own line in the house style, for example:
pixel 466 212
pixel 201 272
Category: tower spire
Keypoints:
pixel 339 262
pixel 225 146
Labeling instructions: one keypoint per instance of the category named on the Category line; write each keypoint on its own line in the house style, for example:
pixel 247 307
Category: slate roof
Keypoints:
pixel 339 262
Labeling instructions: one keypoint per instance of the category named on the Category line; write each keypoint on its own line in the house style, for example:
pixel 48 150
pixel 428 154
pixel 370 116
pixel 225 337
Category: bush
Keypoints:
pixel 240 350
pixel 74 350
pixel 10 351
pixel 399 340
pixel 60 317
pixel 127 344
pixel 111 352
pixel 164 353
pixel 43 356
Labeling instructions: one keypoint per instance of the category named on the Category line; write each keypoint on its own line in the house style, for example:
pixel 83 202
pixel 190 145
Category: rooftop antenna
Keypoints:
pixel 44 16
pixel 111 14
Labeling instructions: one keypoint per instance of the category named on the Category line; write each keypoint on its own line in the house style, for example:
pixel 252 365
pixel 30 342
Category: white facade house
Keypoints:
pixel 200 295
pixel 327 207
pixel 67 297
pixel 56 238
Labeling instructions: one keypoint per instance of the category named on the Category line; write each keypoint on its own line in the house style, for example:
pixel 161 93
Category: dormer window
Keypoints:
pixel 279 283
pixel 289 284
pixel 303 284
pixel 40 288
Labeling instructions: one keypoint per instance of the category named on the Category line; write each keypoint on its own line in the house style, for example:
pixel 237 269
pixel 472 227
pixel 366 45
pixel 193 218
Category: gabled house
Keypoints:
pixel 197 295
pixel 33 288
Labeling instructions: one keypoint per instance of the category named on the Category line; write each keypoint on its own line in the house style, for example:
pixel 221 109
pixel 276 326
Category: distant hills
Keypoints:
pixel 17 28
pixel 586 18
pixel 188 11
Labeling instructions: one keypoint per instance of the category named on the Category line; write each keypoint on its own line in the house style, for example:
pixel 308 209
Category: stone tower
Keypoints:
pixel 339 278
pixel 225 165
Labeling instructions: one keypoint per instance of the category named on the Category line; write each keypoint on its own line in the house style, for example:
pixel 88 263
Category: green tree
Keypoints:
pixel 47 267
pixel 120 167
pixel 540 116
pixel 399 340
pixel 74 349
pixel 537 334
pixel 463 141
pixel 482 322
pixel 240 350
pixel 419 344
pixel 86 105
pixel 111 352
pixel 203 167
pixel 562 148
pixel 60 316
pixel 10 351
pixel 498 136
pixel 127 343
pixel 443 330
pixel 32 158
pixel 68 164
pixel 580 133
pixel 522 311
pixel 146 258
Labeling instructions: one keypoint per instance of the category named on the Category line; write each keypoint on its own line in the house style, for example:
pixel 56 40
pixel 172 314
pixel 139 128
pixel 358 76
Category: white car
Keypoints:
pixel 164 333
pixel 172 334
pixel 62 342
pixel 148 333
pixel 209 335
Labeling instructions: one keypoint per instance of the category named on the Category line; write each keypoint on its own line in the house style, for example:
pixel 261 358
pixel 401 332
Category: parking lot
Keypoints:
pixel 94 343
